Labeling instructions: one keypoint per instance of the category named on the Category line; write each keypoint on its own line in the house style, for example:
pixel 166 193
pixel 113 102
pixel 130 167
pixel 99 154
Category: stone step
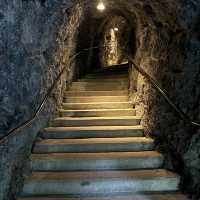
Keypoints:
pixel 92 132
pixel 97 99
pixel 123 79
pixel 157 196
pixel 97 121
pixel 98 86
pixel 92 145
pixel 101 105
pixel 106 76
pixel 96 93
pixel 97 183
pixel 112 70
pixel 99 83
pixel 96 161
pixel 98 113
pixel 154 196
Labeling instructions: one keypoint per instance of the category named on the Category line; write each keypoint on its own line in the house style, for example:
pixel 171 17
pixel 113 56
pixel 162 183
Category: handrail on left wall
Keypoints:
pixel 72 58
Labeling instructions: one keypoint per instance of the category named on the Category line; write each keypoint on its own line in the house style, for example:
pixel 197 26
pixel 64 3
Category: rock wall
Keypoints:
pixel 36 40
pixel 115 39
pixel 33 51
pixel 168 48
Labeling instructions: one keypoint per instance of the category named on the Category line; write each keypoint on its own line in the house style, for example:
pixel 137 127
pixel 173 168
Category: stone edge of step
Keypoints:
pixel 158 196
pixel 92 141
pixel 94 128
pixel 108 155
pixel 97 118
pixel 118 102
pixel 143 174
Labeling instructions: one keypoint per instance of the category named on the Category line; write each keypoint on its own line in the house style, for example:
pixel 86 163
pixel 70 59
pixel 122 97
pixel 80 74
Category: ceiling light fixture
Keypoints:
pixel 101 6
pixel 116 29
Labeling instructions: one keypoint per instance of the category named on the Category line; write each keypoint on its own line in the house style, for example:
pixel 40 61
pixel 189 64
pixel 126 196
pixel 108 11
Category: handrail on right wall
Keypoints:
pixel 179 112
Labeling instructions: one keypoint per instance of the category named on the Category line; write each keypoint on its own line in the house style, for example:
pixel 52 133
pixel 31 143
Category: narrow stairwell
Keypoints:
pixel 96 150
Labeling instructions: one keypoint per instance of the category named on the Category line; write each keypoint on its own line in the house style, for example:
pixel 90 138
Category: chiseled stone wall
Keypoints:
pixel 36 40
pixel 168 48
pixel 33 50
pixel 115 42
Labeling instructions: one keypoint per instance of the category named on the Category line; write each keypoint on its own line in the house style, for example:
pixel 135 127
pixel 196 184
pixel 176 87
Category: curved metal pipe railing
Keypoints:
pixel 179 112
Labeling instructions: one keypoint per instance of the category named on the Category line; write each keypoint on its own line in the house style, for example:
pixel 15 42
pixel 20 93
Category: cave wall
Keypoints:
pixel 168 49
pixel 33 41
pixel 85 44
pixel 114 42
pixel 37 37
pixel 36 40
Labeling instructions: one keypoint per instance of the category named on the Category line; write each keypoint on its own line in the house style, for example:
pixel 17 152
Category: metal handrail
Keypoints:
pixel 72 59
pixel 49 92
pixel 180 113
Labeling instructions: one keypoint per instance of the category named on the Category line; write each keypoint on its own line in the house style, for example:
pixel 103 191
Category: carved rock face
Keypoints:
pixel 37 38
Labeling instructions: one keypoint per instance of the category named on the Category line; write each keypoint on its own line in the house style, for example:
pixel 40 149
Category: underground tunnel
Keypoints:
pixel 49 49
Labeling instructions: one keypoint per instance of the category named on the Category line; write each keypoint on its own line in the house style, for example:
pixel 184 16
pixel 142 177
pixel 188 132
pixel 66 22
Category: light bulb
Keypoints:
pixel 116 29
pixel 101 6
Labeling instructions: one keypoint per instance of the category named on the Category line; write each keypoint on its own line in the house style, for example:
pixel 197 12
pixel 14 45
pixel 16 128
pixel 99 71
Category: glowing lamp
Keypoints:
pixel 101 6
pixel 116 29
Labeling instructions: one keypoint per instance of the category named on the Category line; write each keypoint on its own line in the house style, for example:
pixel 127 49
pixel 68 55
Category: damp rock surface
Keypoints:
pixel 37 39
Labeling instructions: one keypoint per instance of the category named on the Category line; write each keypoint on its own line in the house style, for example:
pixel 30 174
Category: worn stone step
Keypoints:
pixel 116 68
pixel 92 145
pixel 105 182
pixel 123 79
pixel 105 76
pixel 96 93
pixel 96 161
pixel 92 132
pixel 101 105
pixel 112 70
pixel 97 121
pixel 98 113
pixel 97 99
pixel 100 83
pixel 109 71
pixel 157 196
pixel 99 86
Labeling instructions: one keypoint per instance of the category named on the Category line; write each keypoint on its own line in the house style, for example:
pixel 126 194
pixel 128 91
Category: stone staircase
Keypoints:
pixel 96 150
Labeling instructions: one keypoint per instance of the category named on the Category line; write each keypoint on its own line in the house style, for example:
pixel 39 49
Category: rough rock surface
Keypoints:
pixel 116 35
pixel 168 48
pixel 36 39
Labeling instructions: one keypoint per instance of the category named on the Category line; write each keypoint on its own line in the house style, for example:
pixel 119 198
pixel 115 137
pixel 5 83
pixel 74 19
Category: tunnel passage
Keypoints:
pixel 117 39
pixel 44 34
pixel 113 34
